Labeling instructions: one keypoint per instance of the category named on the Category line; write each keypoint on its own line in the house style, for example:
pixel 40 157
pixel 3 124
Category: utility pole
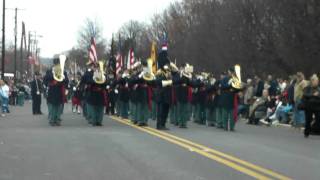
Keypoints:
pixel 29 53
pixel 3 38
pixel 15 42
pixel 23 44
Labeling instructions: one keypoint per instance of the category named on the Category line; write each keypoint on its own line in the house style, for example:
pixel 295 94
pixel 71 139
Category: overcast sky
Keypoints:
pixel 58 21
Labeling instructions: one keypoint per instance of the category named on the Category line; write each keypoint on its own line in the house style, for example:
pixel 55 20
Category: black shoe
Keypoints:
pixel 99 124
pixel 183 127
pixel 163 128
pixel 134 122
pixel 306 134
pixel 159 127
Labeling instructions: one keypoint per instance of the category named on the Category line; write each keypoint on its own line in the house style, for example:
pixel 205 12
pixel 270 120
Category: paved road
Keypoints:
pixel 31 150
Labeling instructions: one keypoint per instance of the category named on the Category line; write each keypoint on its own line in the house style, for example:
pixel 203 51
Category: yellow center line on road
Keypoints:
pixel 226 156
pixel 215 155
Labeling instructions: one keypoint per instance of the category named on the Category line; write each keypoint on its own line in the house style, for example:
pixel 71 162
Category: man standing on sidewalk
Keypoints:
pixel 36 90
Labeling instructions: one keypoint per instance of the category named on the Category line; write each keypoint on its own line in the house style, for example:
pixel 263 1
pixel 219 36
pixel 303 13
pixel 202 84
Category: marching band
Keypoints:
pixel 140 94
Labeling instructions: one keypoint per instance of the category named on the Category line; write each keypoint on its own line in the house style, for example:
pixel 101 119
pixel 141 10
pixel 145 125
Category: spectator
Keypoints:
pixel 282 112
pixel 273 86
pixel 259 108
pixel 298 115
pixel 248 97
pixel 311 103
pixel 259 86
pixel 290 89
pixel 4 94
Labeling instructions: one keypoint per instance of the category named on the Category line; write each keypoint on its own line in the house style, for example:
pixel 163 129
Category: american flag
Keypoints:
pixel 119 63
pixel 93 51
pixel 130 60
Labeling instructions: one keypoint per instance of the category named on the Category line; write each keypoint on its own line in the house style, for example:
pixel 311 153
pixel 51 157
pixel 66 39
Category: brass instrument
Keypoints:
pixel 148 72
pixel 98 74
pixel 58 70
pixel 187 71
pixel 136 68
pixel 166 72
pixel 236 82
pixel 173 67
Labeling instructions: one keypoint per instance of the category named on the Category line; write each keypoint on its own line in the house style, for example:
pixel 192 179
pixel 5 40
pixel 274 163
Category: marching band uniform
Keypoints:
pixel 123 97
pixel 163 82
pixel 76 98
pixel 228 102
pixel 96 99
pixel 201 103
pixel 56 94
pixel 133 100
pixel 184 98
pixel 85 92
pixel 211 103
pixel 164 101
pixel 174 115
pixel 153 114
pixel 144 102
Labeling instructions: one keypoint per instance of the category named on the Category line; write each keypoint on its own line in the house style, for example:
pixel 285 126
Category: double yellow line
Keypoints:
pixel 242 166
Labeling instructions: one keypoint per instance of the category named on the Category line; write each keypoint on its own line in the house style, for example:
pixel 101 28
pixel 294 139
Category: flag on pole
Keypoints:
pixel 119 63
pixel 153 56
pixel 130 60
pixel 119 58
pixel 93 51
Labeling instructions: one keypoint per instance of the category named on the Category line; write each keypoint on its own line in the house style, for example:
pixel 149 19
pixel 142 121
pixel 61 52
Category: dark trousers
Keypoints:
pixel 36 104
pixel 309 118
pixel 110 109
pixel 162 115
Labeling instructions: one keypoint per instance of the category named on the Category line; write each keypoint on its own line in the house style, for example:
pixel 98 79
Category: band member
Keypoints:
pixel 184 96
pixel 165 82
pixel 96 98
pixel 56 81
pixel 36 91
pixel 201 101
pixel 84 88
pixel 76 97
pixel 124 95
pixel 230 85
pixel 211 103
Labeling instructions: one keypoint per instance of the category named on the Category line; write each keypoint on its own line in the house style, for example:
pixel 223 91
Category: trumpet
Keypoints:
pixel 58 70
pixel 98 75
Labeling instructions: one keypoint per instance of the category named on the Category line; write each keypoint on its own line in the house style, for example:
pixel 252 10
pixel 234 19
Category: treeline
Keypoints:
pixel 263 36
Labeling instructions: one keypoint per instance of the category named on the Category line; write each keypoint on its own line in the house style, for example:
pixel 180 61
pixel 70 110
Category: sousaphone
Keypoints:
pixel 148 73
pixel 58 70
pixel 99 75
pixel 236 82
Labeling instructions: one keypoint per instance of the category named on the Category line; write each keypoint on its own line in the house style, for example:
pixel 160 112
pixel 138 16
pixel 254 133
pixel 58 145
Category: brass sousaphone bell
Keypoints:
pixel 58 70
pixel 236 82
pixel 98 75
pixel 148 73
